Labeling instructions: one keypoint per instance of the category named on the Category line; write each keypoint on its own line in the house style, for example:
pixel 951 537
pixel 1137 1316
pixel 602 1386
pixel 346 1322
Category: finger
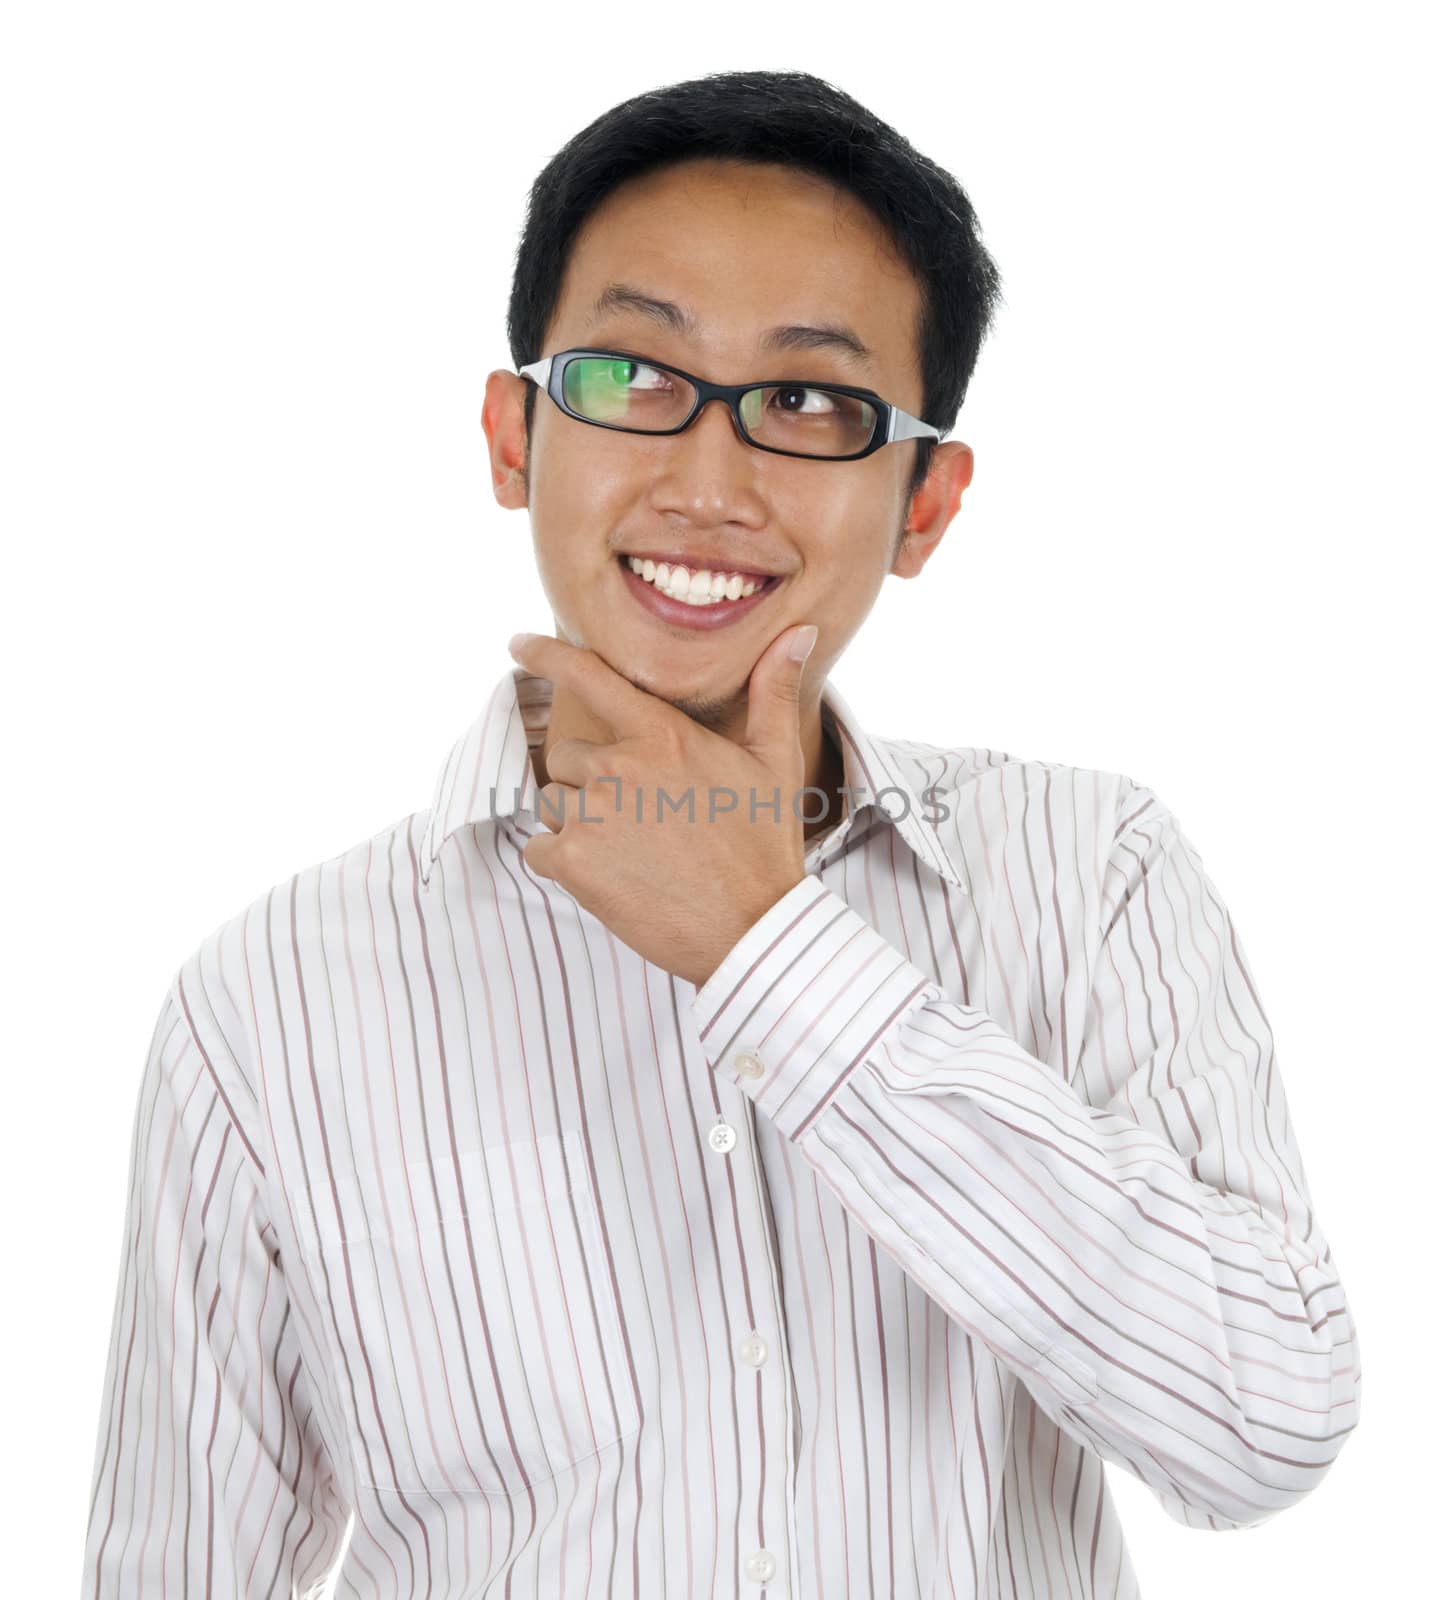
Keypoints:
pixel 772 720
pixel 558 804
pixel 624 708
pixel 539 855
pixel 570 760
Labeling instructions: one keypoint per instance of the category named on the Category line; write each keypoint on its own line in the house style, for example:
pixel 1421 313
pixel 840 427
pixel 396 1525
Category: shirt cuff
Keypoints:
pixel 802 998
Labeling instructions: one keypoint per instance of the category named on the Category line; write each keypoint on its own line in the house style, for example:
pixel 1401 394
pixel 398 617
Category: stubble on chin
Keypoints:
pixel 713 712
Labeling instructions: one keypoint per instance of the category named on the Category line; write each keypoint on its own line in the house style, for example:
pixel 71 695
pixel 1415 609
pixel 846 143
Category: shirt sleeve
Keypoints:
pixel 209 1477
pixel 1135 1240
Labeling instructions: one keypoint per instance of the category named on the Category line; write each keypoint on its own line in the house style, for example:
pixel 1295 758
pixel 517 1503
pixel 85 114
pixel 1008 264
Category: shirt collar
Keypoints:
pixel 488 773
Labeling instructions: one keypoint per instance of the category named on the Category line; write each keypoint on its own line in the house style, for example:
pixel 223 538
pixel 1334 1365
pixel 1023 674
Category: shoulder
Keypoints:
pixel 986 802
pixel 253 963
pixel 976 776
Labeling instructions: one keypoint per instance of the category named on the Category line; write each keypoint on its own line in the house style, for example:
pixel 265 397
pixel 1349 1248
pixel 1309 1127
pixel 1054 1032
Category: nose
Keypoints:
pixel 708 473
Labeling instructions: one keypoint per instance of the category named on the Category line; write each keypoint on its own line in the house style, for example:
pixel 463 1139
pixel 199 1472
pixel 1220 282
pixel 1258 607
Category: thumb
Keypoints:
pixel 772 720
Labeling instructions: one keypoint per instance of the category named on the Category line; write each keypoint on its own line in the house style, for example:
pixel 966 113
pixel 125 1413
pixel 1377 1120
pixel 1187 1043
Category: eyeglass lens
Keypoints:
pixel 645 398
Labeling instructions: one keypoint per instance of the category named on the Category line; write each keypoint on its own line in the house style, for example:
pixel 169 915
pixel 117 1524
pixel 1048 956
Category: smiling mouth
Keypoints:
pixel 697 586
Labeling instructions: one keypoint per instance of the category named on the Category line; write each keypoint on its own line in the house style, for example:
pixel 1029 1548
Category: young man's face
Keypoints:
pixel 743 248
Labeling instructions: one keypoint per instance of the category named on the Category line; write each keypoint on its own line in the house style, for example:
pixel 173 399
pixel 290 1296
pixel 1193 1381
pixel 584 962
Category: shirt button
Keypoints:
pixel 753 1350
pixel 760 1567
pixel 722 1138
pixel 749 1065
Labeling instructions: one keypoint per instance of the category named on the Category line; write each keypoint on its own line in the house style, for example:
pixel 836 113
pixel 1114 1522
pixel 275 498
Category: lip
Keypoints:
pixel 700 619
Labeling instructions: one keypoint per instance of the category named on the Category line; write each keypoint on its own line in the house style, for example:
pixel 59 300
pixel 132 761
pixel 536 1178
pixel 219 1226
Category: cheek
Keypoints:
pixel 839 600
pixel 848 547
pixel 574 517
pixel 842 517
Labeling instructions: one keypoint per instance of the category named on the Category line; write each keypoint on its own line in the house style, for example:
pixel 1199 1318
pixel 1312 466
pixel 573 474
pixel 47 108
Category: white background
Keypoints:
pixel 256 268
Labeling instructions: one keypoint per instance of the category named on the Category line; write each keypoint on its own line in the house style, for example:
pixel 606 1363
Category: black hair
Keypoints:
pixel 797 120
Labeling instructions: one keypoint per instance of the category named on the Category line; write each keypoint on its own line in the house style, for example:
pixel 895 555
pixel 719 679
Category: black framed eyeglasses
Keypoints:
pixel 633 394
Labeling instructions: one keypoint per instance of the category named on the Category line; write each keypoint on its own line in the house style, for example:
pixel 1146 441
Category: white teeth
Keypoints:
pixel 701 588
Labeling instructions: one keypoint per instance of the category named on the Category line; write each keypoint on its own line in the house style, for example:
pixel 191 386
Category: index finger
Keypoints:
pixel 616 700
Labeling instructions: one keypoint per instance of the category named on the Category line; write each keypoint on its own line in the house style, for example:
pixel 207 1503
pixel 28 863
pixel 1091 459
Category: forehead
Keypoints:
pixel 743 247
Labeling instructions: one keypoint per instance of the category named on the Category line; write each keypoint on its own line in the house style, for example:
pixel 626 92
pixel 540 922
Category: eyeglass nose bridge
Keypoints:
pixel 732 394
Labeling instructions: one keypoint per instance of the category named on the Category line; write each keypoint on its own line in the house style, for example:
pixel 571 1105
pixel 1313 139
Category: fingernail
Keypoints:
pixel 518 640
pixel 802 641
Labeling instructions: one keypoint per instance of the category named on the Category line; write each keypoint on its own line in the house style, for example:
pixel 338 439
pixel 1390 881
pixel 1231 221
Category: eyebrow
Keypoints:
pixel 791 336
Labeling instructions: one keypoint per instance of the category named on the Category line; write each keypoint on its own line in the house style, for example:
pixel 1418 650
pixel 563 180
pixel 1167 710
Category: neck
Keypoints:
pixel 571 718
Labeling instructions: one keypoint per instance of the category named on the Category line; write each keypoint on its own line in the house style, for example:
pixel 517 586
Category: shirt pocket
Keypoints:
pixel 472 1308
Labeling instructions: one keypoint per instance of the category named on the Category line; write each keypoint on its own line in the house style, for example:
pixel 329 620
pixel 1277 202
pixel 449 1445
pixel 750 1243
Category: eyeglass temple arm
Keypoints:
pixel 537 371
pixel 904 426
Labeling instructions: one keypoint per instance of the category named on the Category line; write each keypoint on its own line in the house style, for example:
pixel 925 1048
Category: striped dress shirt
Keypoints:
pixel 469 1253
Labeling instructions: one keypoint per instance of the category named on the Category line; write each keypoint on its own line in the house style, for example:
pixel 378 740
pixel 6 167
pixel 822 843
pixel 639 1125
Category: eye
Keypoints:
pixel 642 375
pixel 824 402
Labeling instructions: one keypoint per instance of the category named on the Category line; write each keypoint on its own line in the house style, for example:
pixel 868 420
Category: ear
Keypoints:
pixel 934 507
pixel 505 426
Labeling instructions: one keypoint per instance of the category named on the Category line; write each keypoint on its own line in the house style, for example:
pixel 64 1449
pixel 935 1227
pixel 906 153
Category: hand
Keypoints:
pixel 679 876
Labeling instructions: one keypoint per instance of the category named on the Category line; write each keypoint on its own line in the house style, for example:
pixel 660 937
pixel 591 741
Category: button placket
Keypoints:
pixel 760 1564
pixel 755 1351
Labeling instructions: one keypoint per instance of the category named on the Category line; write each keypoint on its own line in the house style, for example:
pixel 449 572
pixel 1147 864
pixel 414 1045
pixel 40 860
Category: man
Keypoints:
pixel 712 1149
